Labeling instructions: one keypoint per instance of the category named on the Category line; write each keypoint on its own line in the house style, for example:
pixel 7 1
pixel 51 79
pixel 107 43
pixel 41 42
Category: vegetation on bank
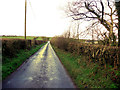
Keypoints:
pixel 88 74
pixel 12 46
pixel 92 66
pixel 15 52
pixel 102 54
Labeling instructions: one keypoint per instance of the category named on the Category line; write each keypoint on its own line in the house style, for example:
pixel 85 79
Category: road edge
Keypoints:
pixel 64 68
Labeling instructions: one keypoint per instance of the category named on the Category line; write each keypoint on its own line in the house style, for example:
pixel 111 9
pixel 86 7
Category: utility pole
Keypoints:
pixel 117 3
pixel 25 16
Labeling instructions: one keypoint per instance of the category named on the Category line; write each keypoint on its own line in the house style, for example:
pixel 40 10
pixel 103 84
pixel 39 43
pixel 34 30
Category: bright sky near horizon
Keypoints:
pixel 44 18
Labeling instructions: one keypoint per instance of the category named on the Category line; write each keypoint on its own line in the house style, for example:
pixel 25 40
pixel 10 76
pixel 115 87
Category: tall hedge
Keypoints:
pixel 96 53
pixel 11 46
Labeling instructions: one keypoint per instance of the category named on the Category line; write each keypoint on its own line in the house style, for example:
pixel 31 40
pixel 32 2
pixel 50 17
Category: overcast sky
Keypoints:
pixel 44 17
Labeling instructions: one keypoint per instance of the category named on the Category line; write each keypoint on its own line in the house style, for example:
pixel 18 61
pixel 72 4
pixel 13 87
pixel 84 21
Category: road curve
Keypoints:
pixel 42 70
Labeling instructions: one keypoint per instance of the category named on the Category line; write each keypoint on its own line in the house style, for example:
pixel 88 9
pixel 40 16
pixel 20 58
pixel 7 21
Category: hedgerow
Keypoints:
pixel 10 47
pixel 97 53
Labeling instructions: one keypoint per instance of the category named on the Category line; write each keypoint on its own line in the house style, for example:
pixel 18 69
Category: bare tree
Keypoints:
pixel 78 34
pixel 73 31
pixel 90 10
pixel 66 34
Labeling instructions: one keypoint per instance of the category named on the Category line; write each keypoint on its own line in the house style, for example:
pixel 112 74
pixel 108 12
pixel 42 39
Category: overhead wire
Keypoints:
pixel 32 8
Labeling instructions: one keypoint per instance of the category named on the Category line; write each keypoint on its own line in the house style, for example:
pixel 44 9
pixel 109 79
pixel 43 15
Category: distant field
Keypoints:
pixel 22 37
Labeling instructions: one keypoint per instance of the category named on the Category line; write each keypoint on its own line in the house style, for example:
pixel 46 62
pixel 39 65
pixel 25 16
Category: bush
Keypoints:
pixel 96 53
pixel 12 46
pixel 60 42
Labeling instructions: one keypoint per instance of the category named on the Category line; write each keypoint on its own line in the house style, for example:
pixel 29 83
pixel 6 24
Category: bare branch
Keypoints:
pixel 102 10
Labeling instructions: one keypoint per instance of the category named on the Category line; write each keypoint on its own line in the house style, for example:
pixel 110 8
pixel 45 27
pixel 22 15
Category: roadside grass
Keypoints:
pixel 11 64
pixel 87 74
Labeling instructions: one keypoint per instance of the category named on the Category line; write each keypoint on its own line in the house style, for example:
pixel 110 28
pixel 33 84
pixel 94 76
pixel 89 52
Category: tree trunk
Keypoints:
pixel 111 36
pixel 118 10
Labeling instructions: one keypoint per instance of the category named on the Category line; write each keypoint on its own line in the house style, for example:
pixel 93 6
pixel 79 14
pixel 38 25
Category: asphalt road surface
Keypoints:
pixel 42 70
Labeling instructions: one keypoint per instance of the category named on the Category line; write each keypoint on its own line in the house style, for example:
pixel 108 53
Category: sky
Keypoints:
pixel 44 17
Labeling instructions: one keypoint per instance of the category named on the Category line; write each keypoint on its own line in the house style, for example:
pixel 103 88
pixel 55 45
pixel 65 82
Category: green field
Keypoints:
pixel 22 37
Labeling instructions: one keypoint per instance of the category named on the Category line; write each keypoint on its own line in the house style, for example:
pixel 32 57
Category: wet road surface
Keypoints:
pixel 42 70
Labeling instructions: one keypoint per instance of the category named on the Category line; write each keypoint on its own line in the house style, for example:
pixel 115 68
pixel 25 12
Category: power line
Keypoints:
pixel 31 8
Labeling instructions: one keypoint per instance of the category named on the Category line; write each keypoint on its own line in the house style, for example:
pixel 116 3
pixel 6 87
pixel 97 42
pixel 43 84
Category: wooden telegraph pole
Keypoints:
pixel 117 3
pixel 25 16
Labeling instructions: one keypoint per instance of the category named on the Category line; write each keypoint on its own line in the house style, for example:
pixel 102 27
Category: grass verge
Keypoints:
pixel 87 74
pixel 11 64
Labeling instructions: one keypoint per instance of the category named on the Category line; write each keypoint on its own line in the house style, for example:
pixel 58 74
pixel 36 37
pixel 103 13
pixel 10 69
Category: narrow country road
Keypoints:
pixel 42 70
